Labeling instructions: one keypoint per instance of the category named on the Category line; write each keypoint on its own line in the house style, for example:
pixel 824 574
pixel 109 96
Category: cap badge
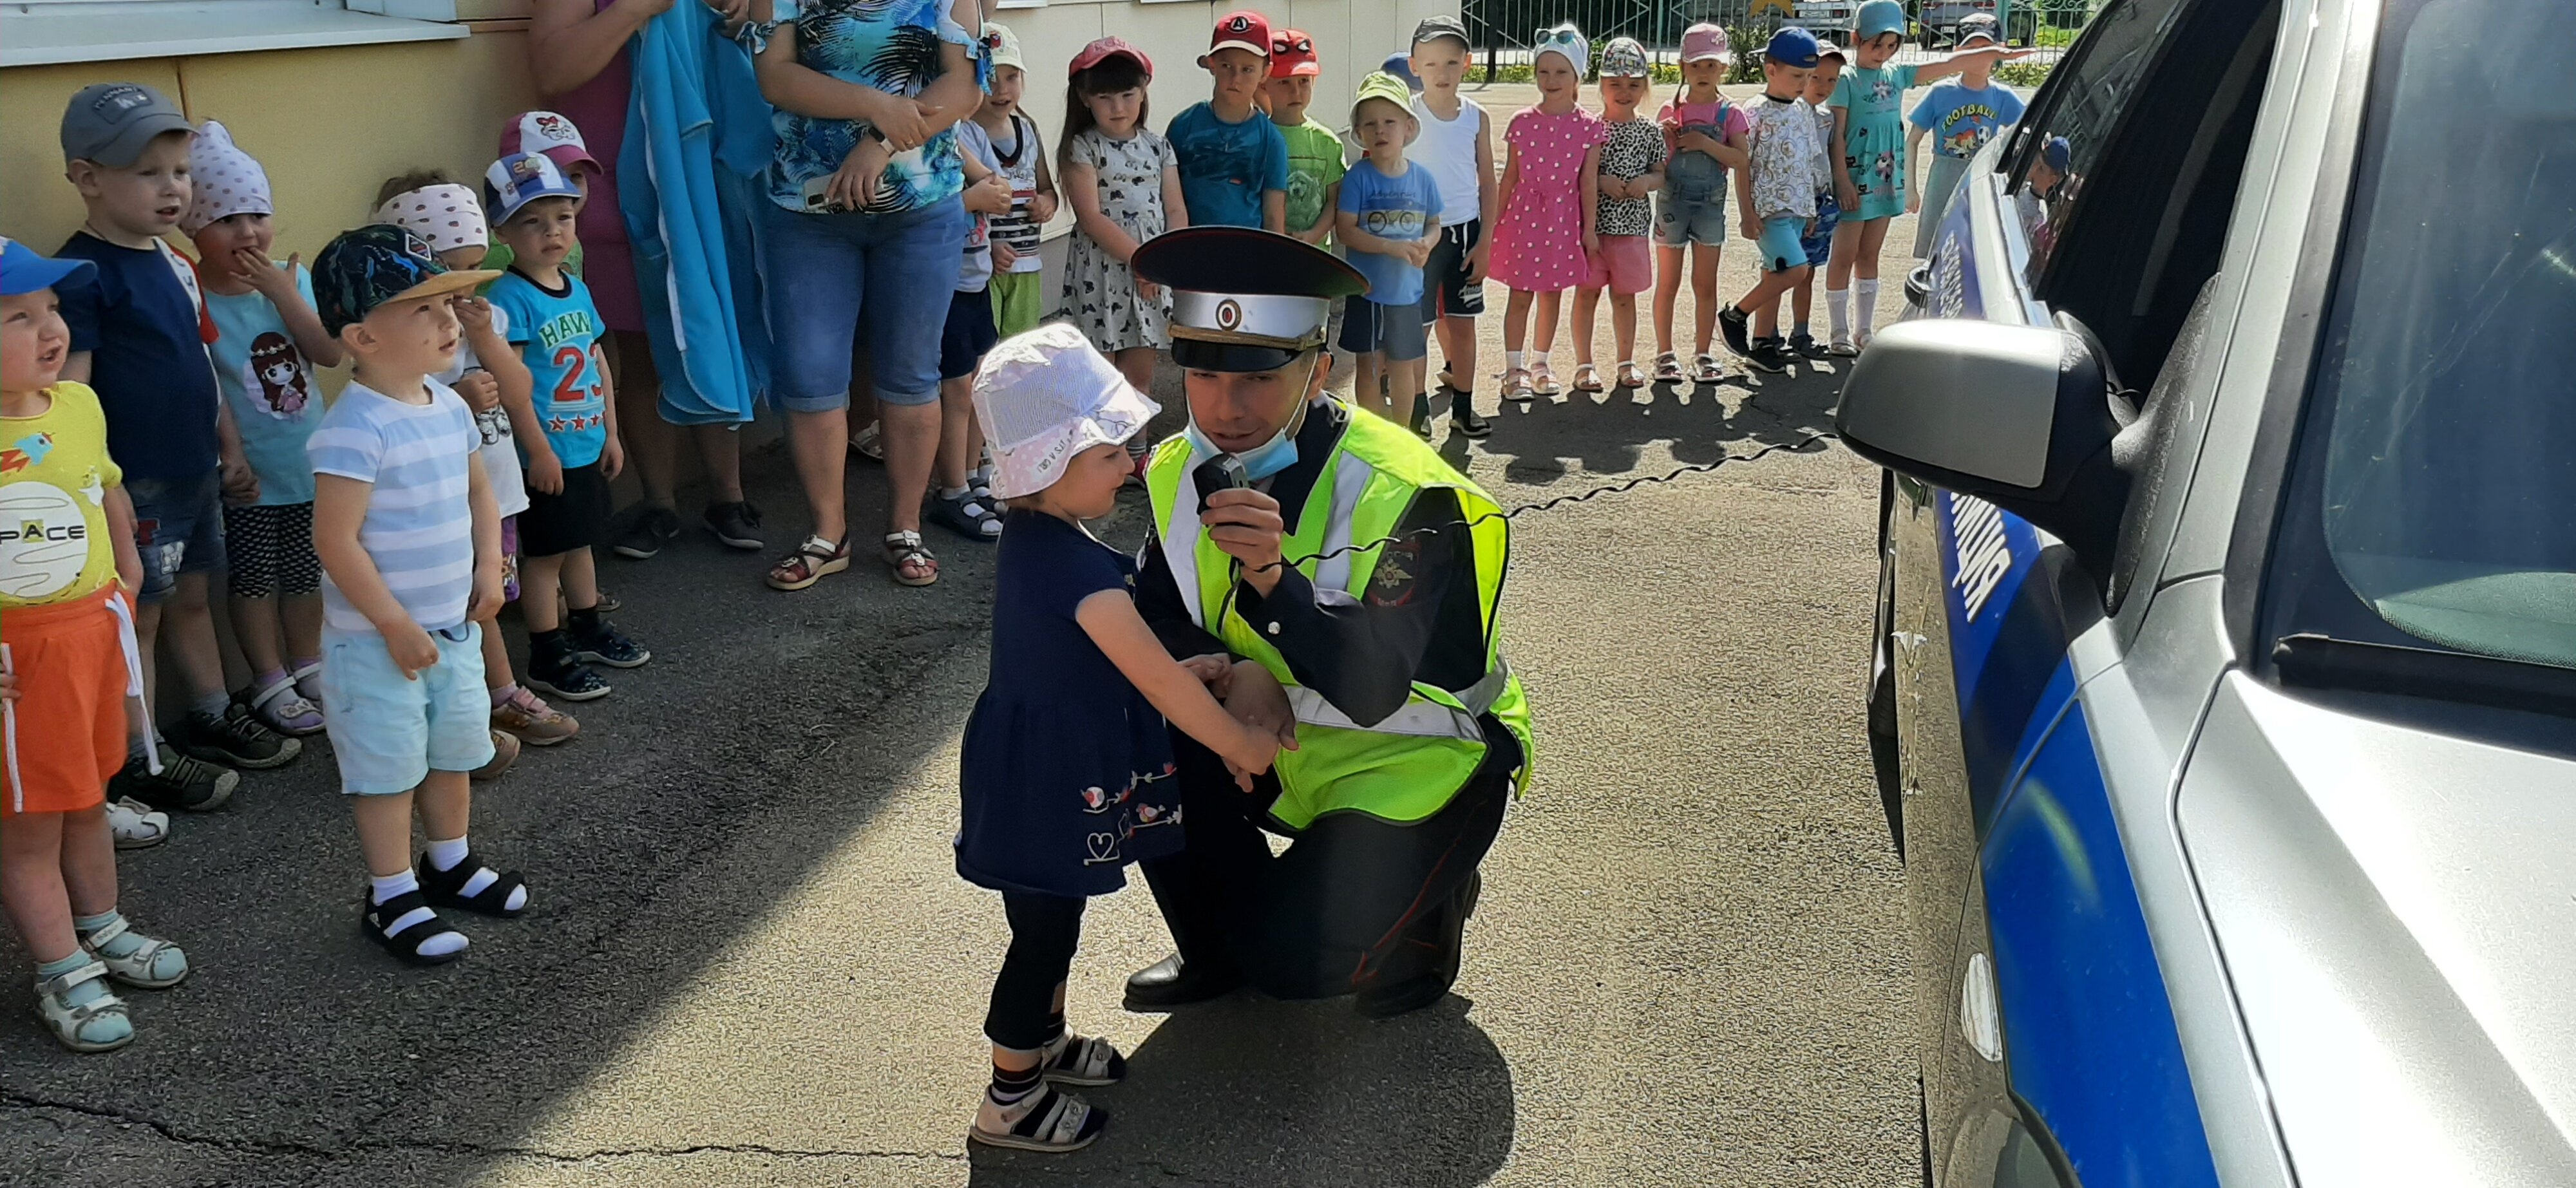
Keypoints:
pixel 1239 24
pixel 416 247
pixel 1229 315
pixel 552 127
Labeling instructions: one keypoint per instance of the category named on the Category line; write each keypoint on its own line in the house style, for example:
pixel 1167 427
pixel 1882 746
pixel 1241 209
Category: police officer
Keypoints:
pixel 1411 731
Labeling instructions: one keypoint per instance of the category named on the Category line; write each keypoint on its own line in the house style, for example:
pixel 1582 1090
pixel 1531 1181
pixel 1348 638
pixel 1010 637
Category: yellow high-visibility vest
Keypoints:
pixel 1406 767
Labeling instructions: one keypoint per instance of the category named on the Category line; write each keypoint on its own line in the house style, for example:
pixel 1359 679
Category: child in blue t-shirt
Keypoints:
pixel 1234 161
pixel 572 451
pixel 1959 117
pixel 1389 219
pixel 267 342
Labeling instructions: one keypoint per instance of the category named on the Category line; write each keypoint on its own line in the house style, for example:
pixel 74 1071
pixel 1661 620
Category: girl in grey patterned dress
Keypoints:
pixel 1125 187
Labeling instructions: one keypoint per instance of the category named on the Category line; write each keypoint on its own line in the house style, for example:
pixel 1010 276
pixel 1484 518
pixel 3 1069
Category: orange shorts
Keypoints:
pixel 65 734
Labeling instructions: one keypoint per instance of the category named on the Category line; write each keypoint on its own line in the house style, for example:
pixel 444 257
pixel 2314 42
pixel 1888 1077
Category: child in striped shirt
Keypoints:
pixel 410 540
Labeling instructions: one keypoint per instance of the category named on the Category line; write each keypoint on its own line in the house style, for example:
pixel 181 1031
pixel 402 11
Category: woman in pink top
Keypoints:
pixel 1544 239
pixel 577 53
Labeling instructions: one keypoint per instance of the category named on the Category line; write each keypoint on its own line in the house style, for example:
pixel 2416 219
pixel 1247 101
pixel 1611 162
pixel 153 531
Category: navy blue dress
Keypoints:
pixel 1067 775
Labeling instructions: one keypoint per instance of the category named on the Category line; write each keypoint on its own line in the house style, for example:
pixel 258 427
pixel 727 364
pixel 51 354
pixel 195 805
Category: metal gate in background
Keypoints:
pixel 1503 30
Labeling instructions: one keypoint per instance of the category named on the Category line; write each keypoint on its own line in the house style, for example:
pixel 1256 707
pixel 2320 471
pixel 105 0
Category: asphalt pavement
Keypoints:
pixel 751 963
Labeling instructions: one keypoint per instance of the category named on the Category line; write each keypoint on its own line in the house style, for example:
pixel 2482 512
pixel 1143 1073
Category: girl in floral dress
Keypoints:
pixel 1545 238
pixel 1125 186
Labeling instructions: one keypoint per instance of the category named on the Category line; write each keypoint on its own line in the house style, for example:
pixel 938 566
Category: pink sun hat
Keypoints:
pixel 548 133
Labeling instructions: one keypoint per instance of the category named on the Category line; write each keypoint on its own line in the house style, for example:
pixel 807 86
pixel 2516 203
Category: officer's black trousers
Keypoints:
pixel 1353 904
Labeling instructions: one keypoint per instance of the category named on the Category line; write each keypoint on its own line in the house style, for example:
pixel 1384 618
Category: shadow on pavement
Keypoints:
pixel 1247 1091
pixel 1606 434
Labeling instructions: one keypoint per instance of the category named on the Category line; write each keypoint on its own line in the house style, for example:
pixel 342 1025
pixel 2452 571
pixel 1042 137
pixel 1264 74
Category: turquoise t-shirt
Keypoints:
pixel 1874 137
pixel 557 334
pixel 1226 167
pixel 269 384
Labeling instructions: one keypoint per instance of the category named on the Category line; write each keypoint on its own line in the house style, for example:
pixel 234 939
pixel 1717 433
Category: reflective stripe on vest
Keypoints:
pixel 1408 765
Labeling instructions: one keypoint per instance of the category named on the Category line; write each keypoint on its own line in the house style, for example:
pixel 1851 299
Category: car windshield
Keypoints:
pixel 2448 492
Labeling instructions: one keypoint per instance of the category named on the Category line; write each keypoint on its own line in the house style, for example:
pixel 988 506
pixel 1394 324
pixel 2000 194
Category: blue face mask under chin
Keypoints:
pixel 1261 461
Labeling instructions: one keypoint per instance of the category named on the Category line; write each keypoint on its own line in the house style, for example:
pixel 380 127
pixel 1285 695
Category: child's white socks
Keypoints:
pixel 1838 313
pixel 1868 312
pixel 1511 360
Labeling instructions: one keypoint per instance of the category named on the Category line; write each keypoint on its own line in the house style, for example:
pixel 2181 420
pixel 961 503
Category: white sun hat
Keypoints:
pixel 1047 395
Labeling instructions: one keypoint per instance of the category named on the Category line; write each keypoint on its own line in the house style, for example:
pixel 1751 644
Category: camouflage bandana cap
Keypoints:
pixel 1624 58
pixel 375 265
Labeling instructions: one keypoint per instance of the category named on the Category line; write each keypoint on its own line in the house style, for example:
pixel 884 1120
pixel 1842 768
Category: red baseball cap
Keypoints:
pixel 1106 48
pixel 548 133
pixel 1241 29
pixel 1292 53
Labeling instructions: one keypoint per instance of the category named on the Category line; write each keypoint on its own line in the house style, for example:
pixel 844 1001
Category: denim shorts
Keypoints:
pixel 1686 214
pixel 831 277
pixel 178 528
pixel 1820 244
pixel 390 731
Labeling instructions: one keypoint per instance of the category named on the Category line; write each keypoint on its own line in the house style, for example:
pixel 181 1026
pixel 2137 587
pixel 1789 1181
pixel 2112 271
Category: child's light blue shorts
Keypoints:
pixel 389 731
pixel 1782 245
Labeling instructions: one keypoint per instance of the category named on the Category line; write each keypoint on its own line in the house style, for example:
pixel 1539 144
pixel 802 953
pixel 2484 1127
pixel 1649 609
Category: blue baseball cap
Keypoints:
pixel 1400 64
pixel 1879 16
pixel 1793 46
pixel 2057 153
pixel 521 178
pixel 24 270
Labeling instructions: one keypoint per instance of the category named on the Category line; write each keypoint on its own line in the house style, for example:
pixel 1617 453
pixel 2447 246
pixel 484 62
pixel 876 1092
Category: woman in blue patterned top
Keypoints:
pixel 864 218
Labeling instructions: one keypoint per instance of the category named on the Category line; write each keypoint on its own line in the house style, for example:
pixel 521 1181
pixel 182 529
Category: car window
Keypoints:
pixel 2092 91
pixel 2448 496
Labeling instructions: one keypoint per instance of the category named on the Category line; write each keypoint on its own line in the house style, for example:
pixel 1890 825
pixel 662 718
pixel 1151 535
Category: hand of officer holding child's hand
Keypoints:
pixel 1214 670
pixel 1246 524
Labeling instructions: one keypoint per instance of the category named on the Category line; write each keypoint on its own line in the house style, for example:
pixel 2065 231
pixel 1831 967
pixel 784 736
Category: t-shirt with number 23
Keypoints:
pixel 557 333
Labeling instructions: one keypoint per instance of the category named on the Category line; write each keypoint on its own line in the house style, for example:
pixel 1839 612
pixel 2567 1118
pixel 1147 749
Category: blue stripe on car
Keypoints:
pixel 2087 1024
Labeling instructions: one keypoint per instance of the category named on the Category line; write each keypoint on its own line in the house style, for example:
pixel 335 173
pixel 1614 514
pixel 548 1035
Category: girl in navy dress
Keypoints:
pixel 1068 773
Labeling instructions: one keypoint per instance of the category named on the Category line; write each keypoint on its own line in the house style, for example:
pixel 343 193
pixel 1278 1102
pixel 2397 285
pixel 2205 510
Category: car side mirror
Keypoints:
pixel 2022 417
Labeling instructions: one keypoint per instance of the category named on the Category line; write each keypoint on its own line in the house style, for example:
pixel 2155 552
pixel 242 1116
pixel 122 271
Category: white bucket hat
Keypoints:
pixel 1045 396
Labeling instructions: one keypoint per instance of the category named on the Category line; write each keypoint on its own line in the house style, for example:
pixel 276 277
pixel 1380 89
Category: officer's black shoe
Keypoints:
pixel 1172 982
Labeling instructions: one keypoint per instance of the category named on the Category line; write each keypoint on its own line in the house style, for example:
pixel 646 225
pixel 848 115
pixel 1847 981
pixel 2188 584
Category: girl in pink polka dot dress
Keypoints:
pixel 1544 239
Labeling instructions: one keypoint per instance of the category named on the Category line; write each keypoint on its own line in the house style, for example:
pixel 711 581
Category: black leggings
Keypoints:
pixel 1045 930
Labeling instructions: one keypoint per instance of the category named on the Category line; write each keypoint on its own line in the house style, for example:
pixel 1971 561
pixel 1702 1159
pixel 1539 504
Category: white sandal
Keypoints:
pixel 67 1021
pixel 135 968
pixel 1045 1120
pixel 137 826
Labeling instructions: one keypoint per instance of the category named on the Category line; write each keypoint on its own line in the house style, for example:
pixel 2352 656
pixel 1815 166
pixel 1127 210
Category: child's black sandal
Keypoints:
pixel 391 924
pixel 446 888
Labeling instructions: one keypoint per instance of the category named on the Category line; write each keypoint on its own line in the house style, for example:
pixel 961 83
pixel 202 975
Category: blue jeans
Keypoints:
pixel 827 274
pixel 178 528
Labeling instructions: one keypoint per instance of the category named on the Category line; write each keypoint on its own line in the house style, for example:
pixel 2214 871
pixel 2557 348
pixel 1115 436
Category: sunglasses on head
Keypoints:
pixel 1561 37
pixel 1301 45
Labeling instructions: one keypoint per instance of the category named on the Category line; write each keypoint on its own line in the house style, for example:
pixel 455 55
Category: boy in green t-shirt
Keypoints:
pixel 1315 165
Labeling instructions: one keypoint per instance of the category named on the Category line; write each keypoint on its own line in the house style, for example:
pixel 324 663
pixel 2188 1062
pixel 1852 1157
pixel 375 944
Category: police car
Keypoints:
pixel 2224 694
